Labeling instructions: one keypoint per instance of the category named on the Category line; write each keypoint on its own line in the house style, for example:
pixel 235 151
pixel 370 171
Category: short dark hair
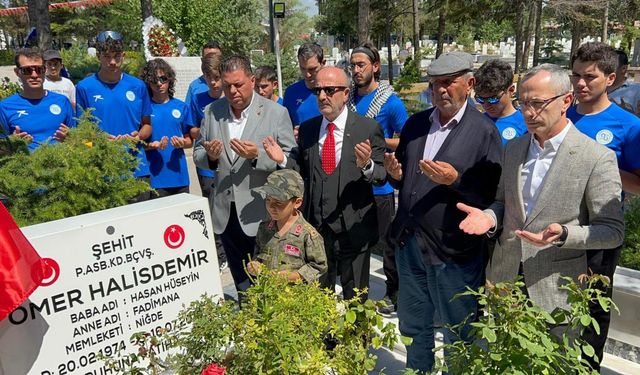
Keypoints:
pixel 29 53
pixel 211 45
pixel 266 72
pixel 623 59
pixel 110 45
pixel 372 53
pixel 211 64
pixel 236 62
pixel 310 50
pixel 149 74
pixel 602 54
pixel 493 76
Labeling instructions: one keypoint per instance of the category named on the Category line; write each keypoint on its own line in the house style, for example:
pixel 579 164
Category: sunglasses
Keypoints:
pixel 329 90
pixel 162 79
pixel 103 36
pixel 28 70
pixel 490 99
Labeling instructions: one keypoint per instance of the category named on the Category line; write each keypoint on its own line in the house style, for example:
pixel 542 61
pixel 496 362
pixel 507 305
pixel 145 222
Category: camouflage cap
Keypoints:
pixel 283 185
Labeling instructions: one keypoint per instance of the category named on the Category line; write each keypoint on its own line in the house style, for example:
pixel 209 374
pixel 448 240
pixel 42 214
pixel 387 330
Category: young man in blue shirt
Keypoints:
pixel 376 100
pixel 35 114
pixel 494 89
pixel 299 100
pixel 593 71
pixel 267 83
pixel 121 102
pixel 199 85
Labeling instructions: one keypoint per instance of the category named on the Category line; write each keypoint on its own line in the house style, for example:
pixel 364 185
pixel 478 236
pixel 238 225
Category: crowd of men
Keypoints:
pixel 531 188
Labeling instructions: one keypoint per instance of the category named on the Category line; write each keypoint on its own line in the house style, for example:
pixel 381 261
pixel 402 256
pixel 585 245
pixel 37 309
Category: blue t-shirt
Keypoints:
pixel 196 106
pixel 168 167
pixel 301 103
pixel 119 106
pixel 196 86
pixel 391 117
pixel 280 100
pixel 614 128
pixel 510 127
pixel 41 118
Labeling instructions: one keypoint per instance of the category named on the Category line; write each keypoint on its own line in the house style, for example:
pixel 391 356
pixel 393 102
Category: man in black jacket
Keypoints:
pixel 446 154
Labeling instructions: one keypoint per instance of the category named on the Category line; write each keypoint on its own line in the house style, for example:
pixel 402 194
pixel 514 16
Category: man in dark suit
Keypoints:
pixel 446 153
pixel 340 155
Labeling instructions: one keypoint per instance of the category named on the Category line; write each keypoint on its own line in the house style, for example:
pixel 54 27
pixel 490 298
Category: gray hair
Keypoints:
pixel 559 77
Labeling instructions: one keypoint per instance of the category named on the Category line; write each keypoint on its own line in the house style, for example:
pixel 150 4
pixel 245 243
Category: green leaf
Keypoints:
pixel 588 350
pixel 350 316
pixel 489 334
pixel 495 356
pixel 406 341
pixel 585 320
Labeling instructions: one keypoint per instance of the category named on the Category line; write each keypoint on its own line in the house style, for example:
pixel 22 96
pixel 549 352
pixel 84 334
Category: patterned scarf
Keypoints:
pixel 381 96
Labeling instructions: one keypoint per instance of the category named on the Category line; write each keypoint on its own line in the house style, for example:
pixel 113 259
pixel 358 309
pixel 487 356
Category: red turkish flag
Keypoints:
pixel 21 269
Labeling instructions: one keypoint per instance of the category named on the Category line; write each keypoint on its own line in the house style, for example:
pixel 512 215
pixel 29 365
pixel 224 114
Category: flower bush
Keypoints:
pixel 162 42
pixel 282 328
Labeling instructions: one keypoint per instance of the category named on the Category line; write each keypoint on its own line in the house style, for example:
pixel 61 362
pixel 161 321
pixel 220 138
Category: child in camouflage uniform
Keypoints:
pixel 288 243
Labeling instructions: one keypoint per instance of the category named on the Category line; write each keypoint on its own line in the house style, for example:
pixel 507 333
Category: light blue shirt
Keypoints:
pixel 534 170
pixel 438 133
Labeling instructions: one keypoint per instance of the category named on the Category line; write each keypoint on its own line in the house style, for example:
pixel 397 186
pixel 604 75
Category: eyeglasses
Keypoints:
pixel 329 90
pixel 103 36
pixel 162 79
pixel 538 105
pixel 28 70
pixel 360 66
pixel 489 99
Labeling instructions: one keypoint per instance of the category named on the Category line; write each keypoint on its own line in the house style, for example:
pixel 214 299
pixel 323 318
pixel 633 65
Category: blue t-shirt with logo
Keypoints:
pixel 391 117
pixel 168 167
pixel 614 128
pixel 301 103
pixel 41 118
pixel 197 104
pixel 196 86
pixel 119 107
pixel 280 100
pixel 510 127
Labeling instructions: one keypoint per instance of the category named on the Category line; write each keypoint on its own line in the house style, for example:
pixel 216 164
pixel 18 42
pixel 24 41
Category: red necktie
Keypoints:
pixel 329 150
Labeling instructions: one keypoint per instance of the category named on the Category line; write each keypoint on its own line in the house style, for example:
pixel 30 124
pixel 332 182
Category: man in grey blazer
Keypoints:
pixel 232 138
pixel 559 195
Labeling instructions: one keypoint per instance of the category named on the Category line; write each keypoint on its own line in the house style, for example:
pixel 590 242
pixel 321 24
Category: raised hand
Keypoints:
pixel 273 149
pixel 213 148
pixel 363 153
pixel 550 234
pixel 24 135
pixel 244 149
pixel 393 167
pixel 61 134
pixel 476 222
pixel 439 172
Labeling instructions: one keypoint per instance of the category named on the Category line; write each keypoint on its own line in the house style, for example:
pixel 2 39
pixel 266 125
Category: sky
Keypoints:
pixel 312 7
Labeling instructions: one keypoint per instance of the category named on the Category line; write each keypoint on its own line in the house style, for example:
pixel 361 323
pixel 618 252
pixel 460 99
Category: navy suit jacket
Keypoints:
pixel 428 210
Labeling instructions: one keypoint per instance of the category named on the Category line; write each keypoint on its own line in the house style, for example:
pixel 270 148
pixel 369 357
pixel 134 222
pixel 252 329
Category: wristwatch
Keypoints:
pixel 562 239
pixel 367 166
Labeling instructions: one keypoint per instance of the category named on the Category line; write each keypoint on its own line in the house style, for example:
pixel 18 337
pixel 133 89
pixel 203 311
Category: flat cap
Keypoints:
pixel 51 54
pixel 283 185
pixel 451 63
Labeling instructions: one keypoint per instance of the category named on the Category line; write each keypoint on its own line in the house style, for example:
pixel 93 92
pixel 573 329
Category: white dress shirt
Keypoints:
pixel 536 166
pixel 438 133
pixel 237 125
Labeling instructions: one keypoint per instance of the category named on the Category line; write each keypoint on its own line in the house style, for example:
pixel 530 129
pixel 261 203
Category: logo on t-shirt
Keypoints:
pixel 97 97
pixel 604 137
pixel 299 101
pixel 509 133
pixel 176 113
pixel 22 112
pixel 55 109
pixel 131 96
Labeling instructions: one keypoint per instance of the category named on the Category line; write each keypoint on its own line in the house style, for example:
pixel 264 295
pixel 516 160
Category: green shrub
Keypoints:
pixel 8 88
pixel 282 328
pixel 410 74
pixel 79 64
pixel 513 337
pixel 7 56
pixel 630 256
pixel 85 173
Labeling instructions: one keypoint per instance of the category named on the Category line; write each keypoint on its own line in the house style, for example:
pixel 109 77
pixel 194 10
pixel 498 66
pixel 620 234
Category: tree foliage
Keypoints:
pixel 85 173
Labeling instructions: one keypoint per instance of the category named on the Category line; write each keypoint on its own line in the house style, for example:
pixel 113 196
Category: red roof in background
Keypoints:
pixel 71 4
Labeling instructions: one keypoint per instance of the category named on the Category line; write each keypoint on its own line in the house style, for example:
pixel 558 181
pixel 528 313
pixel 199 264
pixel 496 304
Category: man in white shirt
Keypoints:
pixel 559 196
pixel 54 81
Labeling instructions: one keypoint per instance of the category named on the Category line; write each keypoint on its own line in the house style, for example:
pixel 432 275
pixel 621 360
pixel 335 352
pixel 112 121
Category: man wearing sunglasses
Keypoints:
pixel 592 73
pixel 35 114
pixel 120 101
pixel 494 89
pixel 446 154
pixel 559 197
pixel 374 99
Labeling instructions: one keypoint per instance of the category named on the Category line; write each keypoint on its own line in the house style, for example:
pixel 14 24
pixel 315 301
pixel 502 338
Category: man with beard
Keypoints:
pixel 376 100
